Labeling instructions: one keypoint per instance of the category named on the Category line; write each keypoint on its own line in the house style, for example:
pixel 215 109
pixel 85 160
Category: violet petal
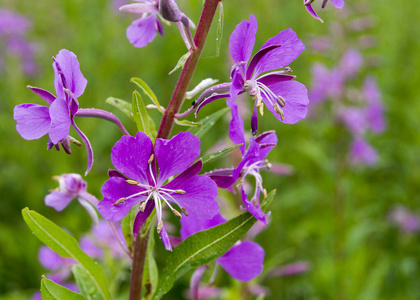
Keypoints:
pixel 33 121
pixel 58 200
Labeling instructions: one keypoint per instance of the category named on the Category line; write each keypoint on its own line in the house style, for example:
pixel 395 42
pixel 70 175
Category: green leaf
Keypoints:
pixel 86 285
pixel 141 117
pixel 188 123
pixel 127 228
pixel 150 273
pixel 205 246
pixel 181 61
pixel 208 122
pixel 215 155
pixel 66 246
pixel 219 28
pixel 148 91
pixel 122 105
pixel 53 291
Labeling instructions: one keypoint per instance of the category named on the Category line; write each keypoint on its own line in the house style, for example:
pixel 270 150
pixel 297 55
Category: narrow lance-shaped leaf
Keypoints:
pixel 141 117
pixel 208 122
pixel 127 228
pixel 122 105
pixel 181 61
pixel 205 246
pixel 148 91
pixel 188 123
pixel 66 246
pixel 218 154
pixel 150 273
pixel 86 285
pixel 219 28
pixel 53 291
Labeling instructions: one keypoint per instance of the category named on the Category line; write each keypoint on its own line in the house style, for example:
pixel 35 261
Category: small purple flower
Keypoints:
pixel 60 267
pixel 34 121
pixel 361 152
pixel 253 159
pixel 136 158
pixel 375 108
pixel 308 4
pixel 402 217
pixel 244 261
pixel 285 98
pixel 72 186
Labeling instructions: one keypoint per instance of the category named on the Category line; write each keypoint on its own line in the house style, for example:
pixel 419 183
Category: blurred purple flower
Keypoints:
pixel 308 4
pixel 13 28
pixel 285 98
pixel 375 108
pixel 136 157
pixel 72 186
pixel 102 239
pixel 244 261
pixel 34 121
pixel 289 269
pixel 402 217
pixel 362 153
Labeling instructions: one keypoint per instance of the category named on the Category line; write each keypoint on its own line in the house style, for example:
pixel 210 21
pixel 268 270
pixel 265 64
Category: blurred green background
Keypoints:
pixel 335 218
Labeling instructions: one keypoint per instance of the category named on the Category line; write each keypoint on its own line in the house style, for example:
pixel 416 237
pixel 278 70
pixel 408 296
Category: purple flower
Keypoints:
pixel 104 238
pixel 402 217
pixel 285 98
pixel 375 108
pixel 308 4
pixel 244 261
pixel 253 159
pixel 362 153
pixel 136 158
pixel 34 121
pixel 60 267
pixel 289 269
pixel 72 186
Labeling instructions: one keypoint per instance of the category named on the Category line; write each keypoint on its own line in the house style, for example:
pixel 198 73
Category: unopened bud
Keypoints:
pixel 177 214
pixel 132 182
pixel 119 201
pixel 152 157
pixel 182 192
pixel 159 226
pixel 184 210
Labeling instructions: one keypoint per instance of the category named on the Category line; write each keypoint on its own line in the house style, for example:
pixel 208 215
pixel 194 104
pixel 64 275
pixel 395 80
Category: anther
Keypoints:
pixel 288 70
pixel 57 178
pixel 159 226
pixel 177 214
pixel 119 201
pixel 132 182
pixel 265 193
pixel 281 101
pixel 152 157
pixel 184 210
pixel 255 201
pixel 240 182
pixel 268 164
pixel 142 206
pixel 261 109
pixel 182 192
pixel 53 190
pixel 279 111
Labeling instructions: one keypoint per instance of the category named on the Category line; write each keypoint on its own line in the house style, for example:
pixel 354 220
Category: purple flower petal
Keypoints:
pixel 33 121
pixel 312 12
pixel 236 128
pixel 199 197
pixel 89 150
pixel 60 121
pixel 242 41
pixel 351 63
pixel 223 177
pixel 67 74
pixel 291 48
pixel 116 188
pixel 176 155
pixel 130 156
pixel 141 217
pixel 45 95
pixel 58 200
pixel 192 224
pixel 165 239
pixel 185 176
pixel 268 137
pixel 363 153
pixel 338 3
pixel 195 281
pixel 272 78
pixel 90 248
pixel 49 259
pixel 243 262
pixel 254 120
pixel 253 208
pixel 296 96
pixel 142 31
pixel 256 59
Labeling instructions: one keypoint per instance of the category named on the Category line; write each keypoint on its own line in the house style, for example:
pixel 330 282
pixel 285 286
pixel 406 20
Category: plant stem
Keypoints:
pixel 165 128
pixel 209 10
pixel 101 114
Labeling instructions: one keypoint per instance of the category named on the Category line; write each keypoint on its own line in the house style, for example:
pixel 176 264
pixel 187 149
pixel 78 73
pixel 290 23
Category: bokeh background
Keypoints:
pixel 330 214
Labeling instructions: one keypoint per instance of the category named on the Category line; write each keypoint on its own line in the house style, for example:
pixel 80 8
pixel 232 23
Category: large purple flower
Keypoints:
pixel 72 186
pixel 34 121
pixel 285 98
pixel 244 261
pixel 308 4
pixel 136 158
pixel 253 159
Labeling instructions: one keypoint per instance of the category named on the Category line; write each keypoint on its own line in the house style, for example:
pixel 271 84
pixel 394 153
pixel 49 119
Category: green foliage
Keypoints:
pixel 208 122
pixel 53 291
pixel 148 91
pixel 122 105
pixel 141 117
pixel 205 246
pixel 218 154
pixel 181 62
pixel 66 246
